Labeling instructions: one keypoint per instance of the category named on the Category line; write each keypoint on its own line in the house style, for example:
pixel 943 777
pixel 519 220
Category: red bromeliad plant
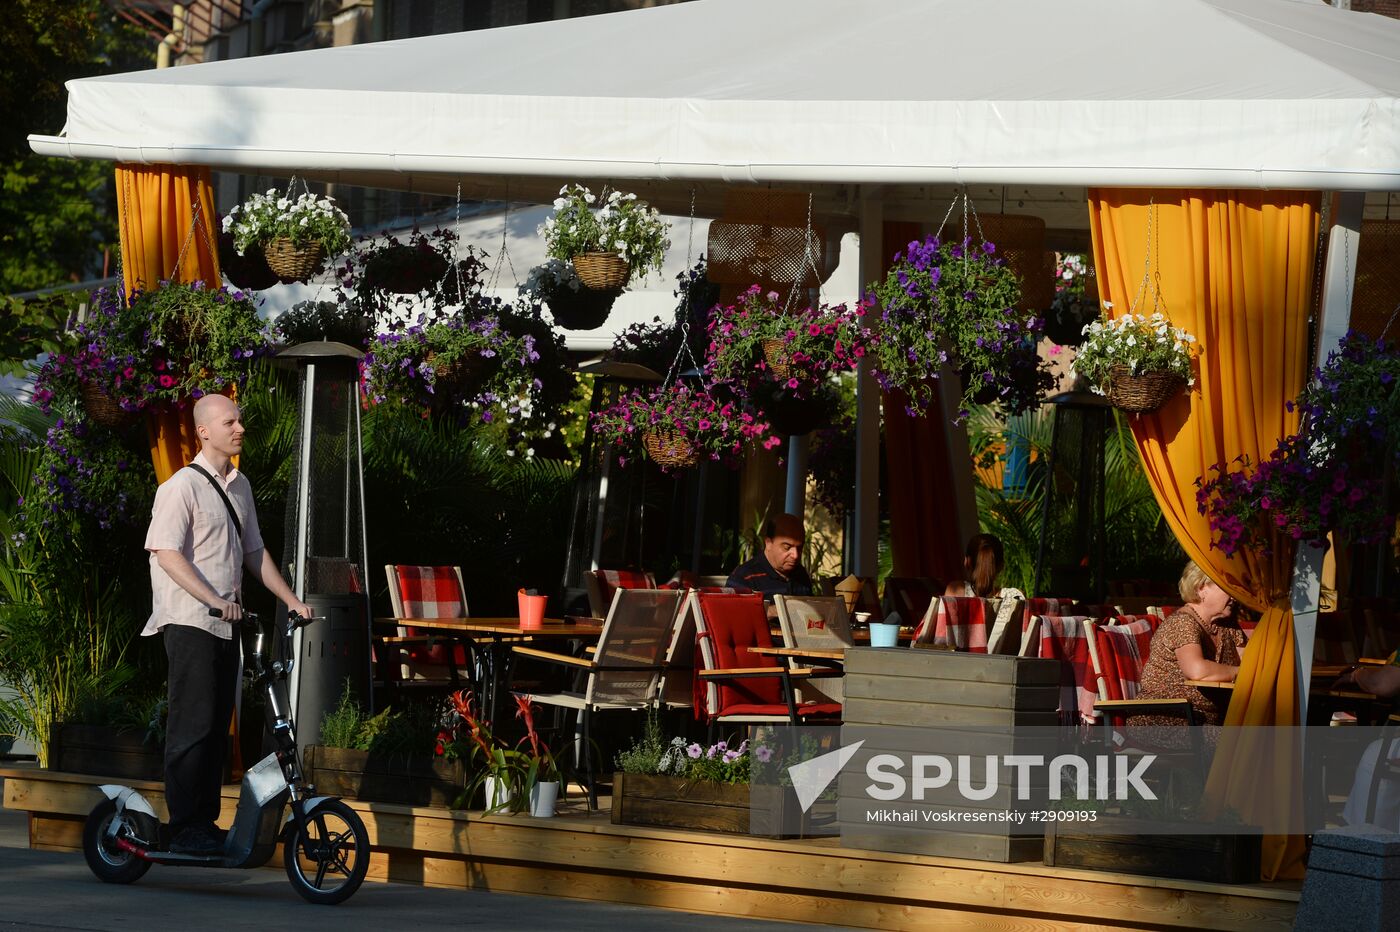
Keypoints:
pixel 692 421
pixel 470 739
pixel 543 767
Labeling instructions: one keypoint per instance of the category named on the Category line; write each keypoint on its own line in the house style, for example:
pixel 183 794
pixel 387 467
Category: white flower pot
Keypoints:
pixel 542 799
pixel 498 795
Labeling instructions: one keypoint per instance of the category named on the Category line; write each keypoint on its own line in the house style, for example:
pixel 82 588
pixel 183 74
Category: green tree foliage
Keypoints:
pixel 56 215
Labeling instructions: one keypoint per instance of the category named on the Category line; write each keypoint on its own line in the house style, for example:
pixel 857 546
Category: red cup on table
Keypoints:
pixel 531 609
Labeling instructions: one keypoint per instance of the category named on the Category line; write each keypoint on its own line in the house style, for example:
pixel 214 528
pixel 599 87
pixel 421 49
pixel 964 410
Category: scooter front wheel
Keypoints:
pixel 327 860
pixel 109 862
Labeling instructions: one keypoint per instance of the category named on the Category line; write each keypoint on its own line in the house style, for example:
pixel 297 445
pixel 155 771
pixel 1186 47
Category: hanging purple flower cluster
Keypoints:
pixel 954 303
pixel 1330 476
pixel 85 472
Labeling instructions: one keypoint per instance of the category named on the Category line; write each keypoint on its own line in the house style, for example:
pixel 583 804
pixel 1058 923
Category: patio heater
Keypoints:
pixel 1070 558
pixel 325 535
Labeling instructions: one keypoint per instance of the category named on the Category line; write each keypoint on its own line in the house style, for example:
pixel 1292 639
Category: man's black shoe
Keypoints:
pixel 196 840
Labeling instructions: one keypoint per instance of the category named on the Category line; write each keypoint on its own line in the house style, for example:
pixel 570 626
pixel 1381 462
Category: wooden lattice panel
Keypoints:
pixel 1020 240
pixel 1377 290
pixel 762 239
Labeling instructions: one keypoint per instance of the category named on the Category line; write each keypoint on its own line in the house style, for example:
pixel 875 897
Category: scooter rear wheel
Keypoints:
pixel 327 862
pixel 110 863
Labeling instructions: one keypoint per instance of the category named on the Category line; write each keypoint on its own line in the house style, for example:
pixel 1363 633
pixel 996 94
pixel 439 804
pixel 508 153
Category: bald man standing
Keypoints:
pixel 204 531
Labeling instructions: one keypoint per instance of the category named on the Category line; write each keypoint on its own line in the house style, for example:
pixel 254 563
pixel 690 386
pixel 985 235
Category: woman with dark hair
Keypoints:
pixel 982 564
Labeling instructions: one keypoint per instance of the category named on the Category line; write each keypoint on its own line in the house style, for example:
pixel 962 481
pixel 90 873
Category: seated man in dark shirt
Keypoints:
pixel 775 570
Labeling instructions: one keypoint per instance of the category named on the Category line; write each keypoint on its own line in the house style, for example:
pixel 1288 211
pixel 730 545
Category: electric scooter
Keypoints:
pixel 325 846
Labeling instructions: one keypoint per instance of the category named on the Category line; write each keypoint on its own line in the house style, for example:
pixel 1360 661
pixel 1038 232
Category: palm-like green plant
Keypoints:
pixel 1138 542
pixel 63 632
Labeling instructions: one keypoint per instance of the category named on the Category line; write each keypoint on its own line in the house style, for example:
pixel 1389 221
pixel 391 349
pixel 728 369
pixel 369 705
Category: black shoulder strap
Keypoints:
pixel 233 515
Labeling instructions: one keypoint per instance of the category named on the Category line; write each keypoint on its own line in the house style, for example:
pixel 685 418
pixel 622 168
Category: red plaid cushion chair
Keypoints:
pixel 1043 606
pixel 1066 639
pixel 603 583
pixel 1120 652
pixel 427 592
pixel 962 624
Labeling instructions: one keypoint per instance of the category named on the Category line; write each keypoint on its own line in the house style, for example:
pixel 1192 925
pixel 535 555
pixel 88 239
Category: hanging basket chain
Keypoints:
pixel 810 260
pixel 1151 266
pixel 683 351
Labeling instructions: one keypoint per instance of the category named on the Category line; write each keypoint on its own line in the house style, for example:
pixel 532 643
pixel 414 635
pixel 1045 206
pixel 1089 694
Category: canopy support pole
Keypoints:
pixel 1343 241
pixel 867 523
pixel 795 502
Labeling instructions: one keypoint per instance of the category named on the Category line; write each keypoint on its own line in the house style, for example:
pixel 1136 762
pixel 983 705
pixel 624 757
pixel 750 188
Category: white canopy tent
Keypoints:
pixel 1174 93
pixel 874 107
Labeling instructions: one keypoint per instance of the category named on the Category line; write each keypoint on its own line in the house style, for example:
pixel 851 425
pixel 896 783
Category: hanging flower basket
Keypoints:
pixel 775 353
pixel 103 411
pixel 295 233
pixel 460 377
pixel 602 271
pixel 584 309
pixel 293 263
pixel 249 271
pixel 669 451
pixel 405 268
pixel 1142 393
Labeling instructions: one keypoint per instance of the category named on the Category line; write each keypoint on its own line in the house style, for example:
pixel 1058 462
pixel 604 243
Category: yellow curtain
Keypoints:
pixel 1234 268
pixel 164 238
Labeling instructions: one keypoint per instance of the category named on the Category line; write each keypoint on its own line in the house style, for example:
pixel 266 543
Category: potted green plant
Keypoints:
pixel 608 239
pixel 1138 362
pixel 295 234
pixel 951 303
pixel 389 757
pixel 677 425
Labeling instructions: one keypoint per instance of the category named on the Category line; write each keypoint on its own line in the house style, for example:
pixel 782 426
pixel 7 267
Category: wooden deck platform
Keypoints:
pixel 582 855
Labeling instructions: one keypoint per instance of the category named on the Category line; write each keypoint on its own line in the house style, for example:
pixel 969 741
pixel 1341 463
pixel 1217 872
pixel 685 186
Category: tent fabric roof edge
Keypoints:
pixel 348 164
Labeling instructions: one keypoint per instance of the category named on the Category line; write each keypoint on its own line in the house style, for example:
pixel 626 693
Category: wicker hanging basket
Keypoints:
pixel 103 411
pixel 669 451
pixel 775 353
pixel 602 271
pixel 583 309
pixel 293 263
pixel 456 380
pixel 1142 393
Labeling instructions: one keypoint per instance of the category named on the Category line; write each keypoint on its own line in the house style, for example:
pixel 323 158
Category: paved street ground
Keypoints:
pixel 44 890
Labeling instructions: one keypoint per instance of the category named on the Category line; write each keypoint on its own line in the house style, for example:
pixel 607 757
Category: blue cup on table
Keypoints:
pixel 884 635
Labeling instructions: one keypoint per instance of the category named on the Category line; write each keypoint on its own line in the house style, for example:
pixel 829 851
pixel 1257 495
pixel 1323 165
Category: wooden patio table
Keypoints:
pixel 493 658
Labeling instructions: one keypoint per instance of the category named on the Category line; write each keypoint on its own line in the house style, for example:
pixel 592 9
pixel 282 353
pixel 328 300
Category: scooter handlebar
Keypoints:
pixel 297 621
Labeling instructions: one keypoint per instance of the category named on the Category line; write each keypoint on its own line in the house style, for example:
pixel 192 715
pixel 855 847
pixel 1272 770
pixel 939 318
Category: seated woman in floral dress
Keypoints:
pixel 1200 641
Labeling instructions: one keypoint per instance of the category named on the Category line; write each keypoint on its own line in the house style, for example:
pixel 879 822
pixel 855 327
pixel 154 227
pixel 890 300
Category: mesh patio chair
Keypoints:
pixel 622 674
pixel 815 621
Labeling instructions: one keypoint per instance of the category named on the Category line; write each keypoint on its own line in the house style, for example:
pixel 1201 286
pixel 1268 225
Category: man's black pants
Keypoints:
pixel 203 683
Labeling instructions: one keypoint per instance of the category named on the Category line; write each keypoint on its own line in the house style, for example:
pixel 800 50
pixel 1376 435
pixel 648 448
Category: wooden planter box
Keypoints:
pixel 1212 858
pixel 384 778
pixel 676 802
pixel 104 751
